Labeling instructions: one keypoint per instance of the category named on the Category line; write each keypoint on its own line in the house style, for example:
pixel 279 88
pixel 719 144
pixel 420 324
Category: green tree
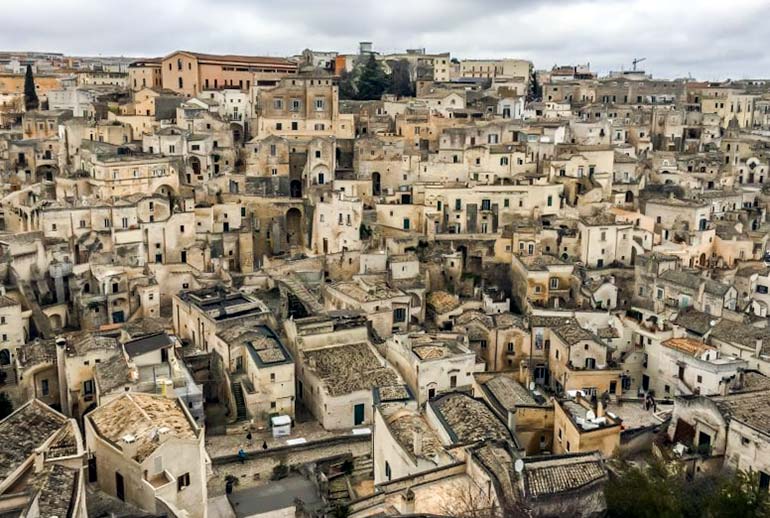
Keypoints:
pixel 6 406
pixel 651 491
pixel 347 88
pixel 660 490
pixel 535 90
pixel 741 496
pixel 372 81
pixel 31 101
pixel 400 79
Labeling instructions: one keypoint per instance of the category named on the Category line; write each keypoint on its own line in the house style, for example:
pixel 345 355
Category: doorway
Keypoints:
pixel 358 414
pixel 120 491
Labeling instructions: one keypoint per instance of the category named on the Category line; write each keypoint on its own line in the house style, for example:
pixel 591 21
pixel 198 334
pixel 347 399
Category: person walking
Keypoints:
pixel 241 455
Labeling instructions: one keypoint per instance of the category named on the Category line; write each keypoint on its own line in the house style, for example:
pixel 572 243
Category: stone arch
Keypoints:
pixel 294 227
pixel 56 321
pixel 295 189
pixel 376 184
pixel 195 164
pixel 320 175
pixel 237 130
pixel 47 172
pixel 165 190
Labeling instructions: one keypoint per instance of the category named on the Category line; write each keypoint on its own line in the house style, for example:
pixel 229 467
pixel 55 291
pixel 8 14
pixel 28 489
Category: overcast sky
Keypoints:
pixel 710 39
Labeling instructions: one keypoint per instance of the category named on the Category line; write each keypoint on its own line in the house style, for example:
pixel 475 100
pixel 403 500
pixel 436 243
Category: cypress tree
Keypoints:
pixel 31 101
pixel 373 81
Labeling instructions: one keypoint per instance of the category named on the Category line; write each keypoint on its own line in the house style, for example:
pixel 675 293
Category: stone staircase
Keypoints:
pixel 240 403
pixel 41 322
pixel 295 285
pixel 363 467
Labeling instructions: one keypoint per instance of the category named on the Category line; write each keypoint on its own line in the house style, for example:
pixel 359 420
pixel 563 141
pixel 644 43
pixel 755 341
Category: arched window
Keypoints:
pixel 504 160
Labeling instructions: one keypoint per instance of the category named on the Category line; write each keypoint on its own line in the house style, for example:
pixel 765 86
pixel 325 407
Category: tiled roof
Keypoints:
pixel 57 486
pixel 750 408
pixel 547 476
pixel 508 392
pixel 142 416
pixel 687 346
pixel 694 320
pixel 692 281
pixel 349 368
pixel 25 430
pixel 741 333
pixel 468 420
pixel 403 423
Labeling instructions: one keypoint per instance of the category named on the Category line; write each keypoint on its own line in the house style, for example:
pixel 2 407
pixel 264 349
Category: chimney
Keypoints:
pixel 512 420
pixel 758 347
pixel 129 446
pixel 599 407
pixel 133 373
pixel 417 434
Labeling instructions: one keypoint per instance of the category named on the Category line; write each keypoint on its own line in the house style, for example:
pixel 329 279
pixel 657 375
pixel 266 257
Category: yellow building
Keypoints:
pixel 579 427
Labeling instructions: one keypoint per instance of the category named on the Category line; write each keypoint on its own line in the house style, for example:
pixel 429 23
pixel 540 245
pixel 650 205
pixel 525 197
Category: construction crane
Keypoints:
pixel 636 61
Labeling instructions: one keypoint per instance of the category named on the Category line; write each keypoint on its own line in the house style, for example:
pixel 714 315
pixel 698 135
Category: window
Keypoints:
pixel 550 201
pixel 399 315
pixel 182 481
pixel 295 105
pixel 453 381
pixel 387 470
pixel 294 126
pixel 88 387
pixel 458 204
pixel 554 283
pixel 44 387
pixel 278 104
pixel 483 344
pixel 319 105
pixel 486 205
pixel 272 377
pixel 510 347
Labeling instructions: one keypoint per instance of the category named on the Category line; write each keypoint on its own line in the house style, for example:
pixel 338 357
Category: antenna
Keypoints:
pixel 635 61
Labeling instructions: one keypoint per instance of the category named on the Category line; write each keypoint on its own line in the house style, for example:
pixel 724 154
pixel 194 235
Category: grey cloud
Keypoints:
pixel 709 39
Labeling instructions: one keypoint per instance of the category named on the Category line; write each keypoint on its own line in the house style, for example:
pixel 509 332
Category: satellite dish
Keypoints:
pixel 590 416
pixel 518 465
